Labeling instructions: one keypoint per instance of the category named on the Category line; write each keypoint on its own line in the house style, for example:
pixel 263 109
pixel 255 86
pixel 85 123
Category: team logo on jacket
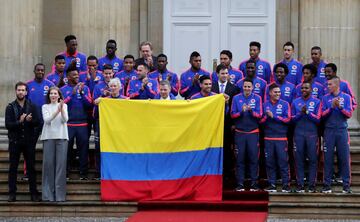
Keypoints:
pixel 33 89
pixel 116 64
pixel 279 109
pixel 149 84
pixel 294 67
pixel 311 106
pixel 97 78
pixel 133 77
pixel 77 62
pixel 232 76
pixel 260 67
pixel 257 85
pixel 252 101
pixel 46 88
pixel 315 89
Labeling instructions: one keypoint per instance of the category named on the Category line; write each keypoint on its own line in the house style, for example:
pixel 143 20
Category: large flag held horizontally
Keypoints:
pixel 161 150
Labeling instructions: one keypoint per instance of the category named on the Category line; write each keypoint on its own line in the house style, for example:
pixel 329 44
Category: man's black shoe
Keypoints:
pixel 35 198
pixel 12 198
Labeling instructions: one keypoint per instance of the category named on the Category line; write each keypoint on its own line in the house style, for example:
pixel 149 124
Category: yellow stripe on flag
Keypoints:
pixel 161 126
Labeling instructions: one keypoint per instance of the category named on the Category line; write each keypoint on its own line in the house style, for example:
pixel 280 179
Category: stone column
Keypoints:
pixel 95 22
pixel 20 44
pixel 334 26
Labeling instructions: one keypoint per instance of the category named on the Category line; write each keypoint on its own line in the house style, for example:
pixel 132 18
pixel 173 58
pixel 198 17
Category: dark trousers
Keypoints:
pixel 306 146
pixel 97 145
pixel 28 150
pixel 338 138
pixel 80 133
pixel 248 151
pixel 276 156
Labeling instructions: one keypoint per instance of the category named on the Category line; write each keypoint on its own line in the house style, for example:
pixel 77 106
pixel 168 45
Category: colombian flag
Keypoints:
pixel 161 150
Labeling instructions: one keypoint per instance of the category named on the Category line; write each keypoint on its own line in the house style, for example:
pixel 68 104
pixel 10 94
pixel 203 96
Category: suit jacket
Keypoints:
pixel 230 90
pixel 142 61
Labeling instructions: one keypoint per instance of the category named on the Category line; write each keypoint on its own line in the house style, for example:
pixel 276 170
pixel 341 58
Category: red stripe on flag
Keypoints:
pixel 207 187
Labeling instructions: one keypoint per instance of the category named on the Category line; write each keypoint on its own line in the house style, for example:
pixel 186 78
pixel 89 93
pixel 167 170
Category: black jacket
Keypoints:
pixel 20 132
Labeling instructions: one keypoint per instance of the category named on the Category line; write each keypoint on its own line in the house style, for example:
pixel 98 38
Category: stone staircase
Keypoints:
pixel 323 206
pixel 83 197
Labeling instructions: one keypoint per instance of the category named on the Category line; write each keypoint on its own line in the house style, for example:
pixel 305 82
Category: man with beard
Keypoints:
pixel 189 80
pixel 20 120
pixel 142 87
pixel 205 88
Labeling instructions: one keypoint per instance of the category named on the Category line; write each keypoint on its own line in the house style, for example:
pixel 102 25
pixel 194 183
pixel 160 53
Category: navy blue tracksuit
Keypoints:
pixel 306 137
pixel 247 134
pixel 78 104
pixel 276 147
pixel 336 135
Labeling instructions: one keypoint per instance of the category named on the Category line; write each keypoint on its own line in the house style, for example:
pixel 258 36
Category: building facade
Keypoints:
pixel 33 31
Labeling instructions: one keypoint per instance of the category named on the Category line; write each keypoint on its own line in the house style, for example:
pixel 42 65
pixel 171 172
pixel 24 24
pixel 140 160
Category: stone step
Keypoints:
pixel 67 209
pixel 71 185
pixel 314 210
pixel 74 174
pixel 335 197
pixel 78 195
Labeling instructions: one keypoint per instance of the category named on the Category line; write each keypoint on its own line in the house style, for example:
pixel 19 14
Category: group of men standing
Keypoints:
pixel 292 102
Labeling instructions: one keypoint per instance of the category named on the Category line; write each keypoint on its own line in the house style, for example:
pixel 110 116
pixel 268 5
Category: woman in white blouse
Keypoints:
pixel 55 138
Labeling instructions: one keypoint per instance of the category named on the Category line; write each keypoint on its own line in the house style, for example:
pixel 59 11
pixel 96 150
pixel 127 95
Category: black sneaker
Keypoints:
pixel 254 187
pixel 240 188
pixel 12 198
pixel 312 189
pixel 271 188
pixel 285 189
pixel 347 190
pixel 300 189
pixel 83 177
pixel 326 189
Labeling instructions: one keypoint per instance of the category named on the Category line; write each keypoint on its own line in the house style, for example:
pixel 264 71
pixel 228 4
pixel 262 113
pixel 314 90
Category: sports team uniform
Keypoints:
pixel 263 70
pixel 306 137
pixel 174 82
pixel 247 135
pixel 187 88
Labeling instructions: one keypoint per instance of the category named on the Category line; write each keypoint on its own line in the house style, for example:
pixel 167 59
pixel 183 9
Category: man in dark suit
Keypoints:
pixel 224 86
pixel 146 56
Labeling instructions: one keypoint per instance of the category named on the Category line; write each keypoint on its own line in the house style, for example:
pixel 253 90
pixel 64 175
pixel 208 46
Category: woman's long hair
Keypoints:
pixel 48 94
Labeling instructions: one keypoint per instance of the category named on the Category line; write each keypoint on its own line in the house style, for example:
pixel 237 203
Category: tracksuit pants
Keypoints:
pixel 247 151
pixel 80 133
pixel 276 155
pixel 306 146
pixel 338 138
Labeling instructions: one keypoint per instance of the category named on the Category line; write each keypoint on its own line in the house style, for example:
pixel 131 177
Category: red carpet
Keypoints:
pixel 235 206
pixel 197 216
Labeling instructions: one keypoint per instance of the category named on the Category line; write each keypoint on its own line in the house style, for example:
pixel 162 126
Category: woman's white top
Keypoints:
pixel 55 126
